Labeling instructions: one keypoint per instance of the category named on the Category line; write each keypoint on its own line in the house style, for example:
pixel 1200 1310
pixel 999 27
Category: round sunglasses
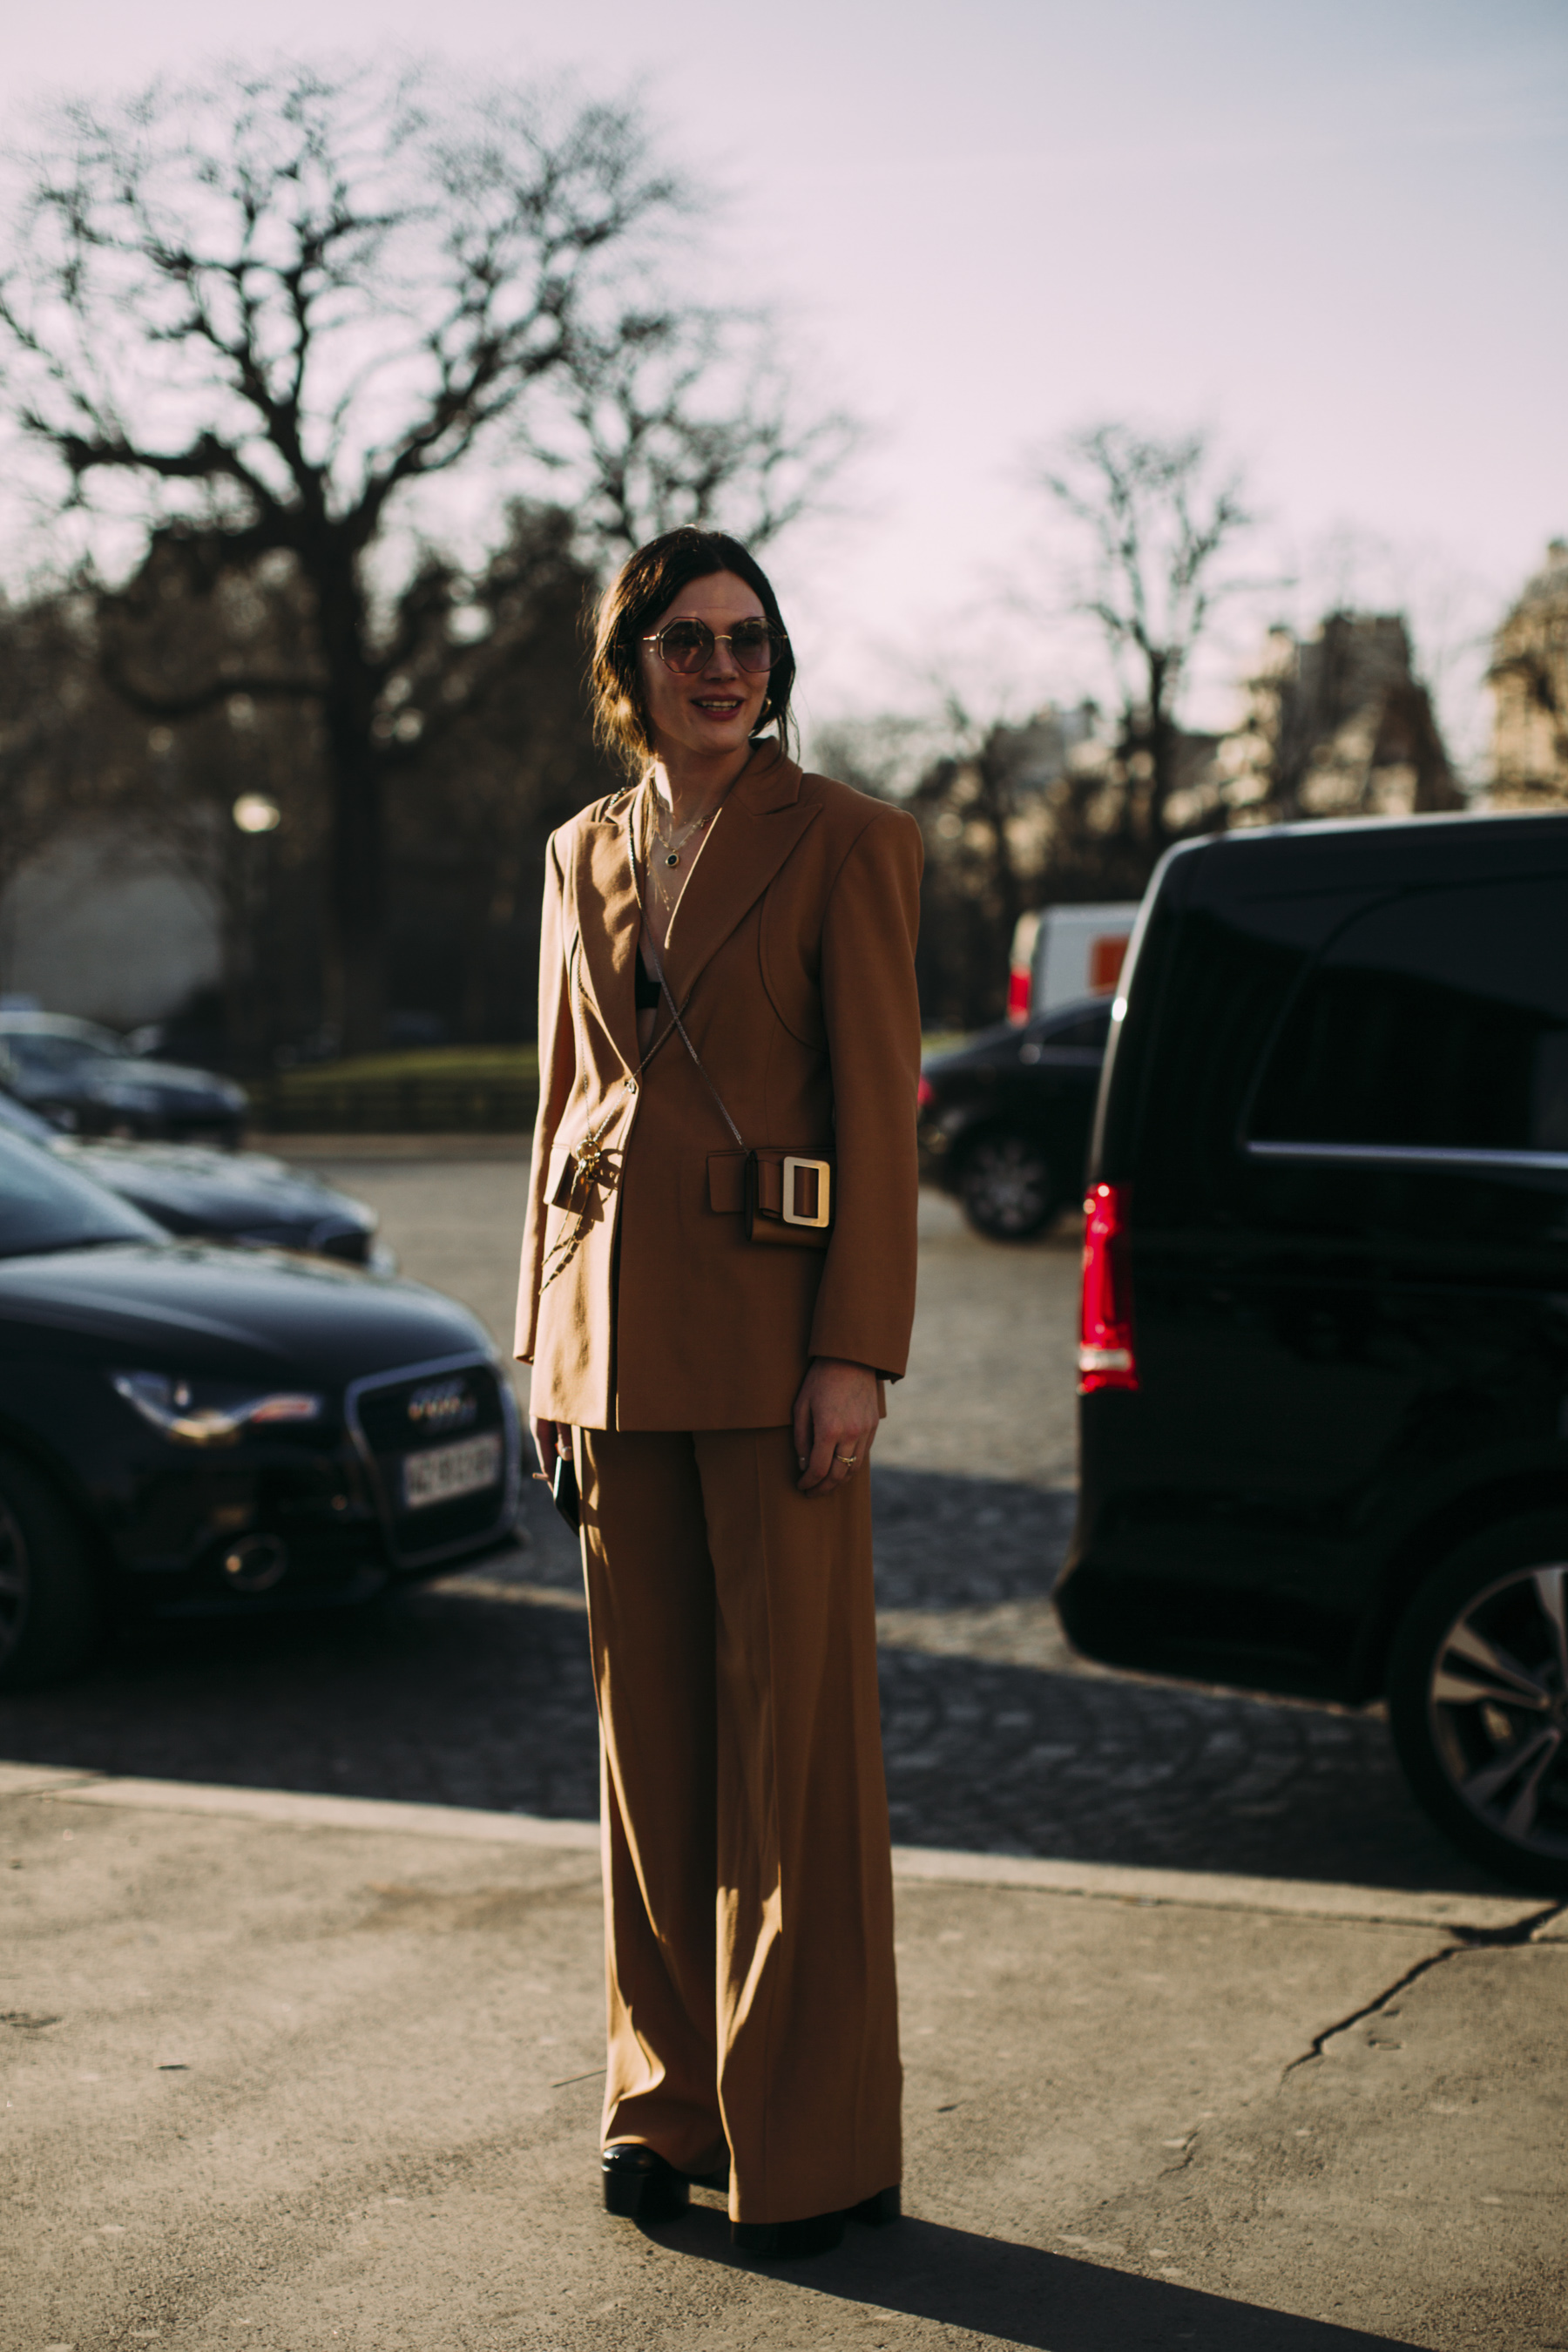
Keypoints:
pixel 688 646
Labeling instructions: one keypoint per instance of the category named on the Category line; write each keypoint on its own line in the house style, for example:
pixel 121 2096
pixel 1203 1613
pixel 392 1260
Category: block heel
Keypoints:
pixel 640 2187
pixel 788 2241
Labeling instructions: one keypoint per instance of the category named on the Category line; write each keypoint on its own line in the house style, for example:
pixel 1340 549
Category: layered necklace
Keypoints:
pixel 670 852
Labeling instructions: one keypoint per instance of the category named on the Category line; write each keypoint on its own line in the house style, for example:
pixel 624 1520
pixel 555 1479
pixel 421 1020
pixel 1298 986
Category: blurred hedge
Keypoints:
pixel 437 1090
pixel 447 1089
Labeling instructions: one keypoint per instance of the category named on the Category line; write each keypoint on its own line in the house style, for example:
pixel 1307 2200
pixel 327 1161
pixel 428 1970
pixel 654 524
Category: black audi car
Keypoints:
pixel 84 1079
pixel 1324 1368
pixel 187 1428
pixel 236 1196
pixel 1004 1118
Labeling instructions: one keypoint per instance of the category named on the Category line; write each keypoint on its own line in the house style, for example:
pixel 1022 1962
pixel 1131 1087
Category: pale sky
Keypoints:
pixel 1334 235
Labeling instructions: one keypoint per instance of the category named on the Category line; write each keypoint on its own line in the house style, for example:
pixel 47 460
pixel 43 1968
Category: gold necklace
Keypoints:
pixel 664 849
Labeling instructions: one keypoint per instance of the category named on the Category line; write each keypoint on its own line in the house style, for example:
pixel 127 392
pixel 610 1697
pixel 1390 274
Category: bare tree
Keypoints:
pixel 45 780
pixel 188 613
pixel 685 416
pixel 961 780
pixel 269 308
pixel 1159 527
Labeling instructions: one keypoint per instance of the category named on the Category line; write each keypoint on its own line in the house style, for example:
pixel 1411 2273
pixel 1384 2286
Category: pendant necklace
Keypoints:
pixel 665 845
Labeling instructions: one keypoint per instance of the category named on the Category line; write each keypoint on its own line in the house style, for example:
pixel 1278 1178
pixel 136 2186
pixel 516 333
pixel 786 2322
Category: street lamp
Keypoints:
pixel 254 813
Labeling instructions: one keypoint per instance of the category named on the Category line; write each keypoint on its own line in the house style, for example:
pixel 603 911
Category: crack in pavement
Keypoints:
pixel 1464 1939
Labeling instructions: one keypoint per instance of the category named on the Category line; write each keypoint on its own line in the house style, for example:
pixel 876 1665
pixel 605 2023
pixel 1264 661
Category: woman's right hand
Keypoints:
pixel 550 1438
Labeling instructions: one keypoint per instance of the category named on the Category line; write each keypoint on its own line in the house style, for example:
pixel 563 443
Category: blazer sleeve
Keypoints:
pixel 557 1076
pixel 865 1305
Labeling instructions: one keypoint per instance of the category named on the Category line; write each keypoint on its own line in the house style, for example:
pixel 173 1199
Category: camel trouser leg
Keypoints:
pixel 650 1626
pixel 770 1881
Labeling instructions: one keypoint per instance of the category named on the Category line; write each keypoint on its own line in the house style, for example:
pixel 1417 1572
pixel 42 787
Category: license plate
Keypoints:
pixel 444 1472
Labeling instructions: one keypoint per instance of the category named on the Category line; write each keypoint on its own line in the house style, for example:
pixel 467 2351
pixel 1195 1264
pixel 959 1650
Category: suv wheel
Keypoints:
pixel 1007 1187
pixel 1477 1700
pixel 49 1602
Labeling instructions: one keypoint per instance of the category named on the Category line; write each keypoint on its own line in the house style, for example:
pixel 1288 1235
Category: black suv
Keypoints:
pixel 1324 1359
pixel 1004 1118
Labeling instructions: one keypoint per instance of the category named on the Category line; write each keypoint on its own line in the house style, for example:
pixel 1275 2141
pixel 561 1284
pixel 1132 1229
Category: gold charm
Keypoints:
pixel 592 1161
pixel 590 1165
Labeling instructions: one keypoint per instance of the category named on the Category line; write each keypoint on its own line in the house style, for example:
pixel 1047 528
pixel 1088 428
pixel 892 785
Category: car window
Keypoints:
pixel 44 1205
pixel 1438 1019
pixel 1079 1032
pixel 45 1053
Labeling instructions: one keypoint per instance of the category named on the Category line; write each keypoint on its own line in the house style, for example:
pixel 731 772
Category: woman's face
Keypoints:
pixel 713 714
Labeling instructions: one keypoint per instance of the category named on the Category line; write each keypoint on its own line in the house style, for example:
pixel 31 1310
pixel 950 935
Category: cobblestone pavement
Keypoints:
pixel 476 1691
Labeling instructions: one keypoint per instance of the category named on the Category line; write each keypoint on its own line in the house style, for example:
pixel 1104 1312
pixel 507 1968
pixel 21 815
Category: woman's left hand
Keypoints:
pixel 835 1421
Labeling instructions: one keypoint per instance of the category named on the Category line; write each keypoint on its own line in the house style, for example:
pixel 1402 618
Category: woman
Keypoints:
pixel 718 1274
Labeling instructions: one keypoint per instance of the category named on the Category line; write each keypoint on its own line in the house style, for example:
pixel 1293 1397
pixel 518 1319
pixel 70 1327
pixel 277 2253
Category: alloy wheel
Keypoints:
pixel 1007 1187
pixel 1497 1708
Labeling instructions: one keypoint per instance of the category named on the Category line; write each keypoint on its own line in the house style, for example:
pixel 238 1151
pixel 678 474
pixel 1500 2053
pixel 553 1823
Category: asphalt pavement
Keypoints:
pixel 322 2075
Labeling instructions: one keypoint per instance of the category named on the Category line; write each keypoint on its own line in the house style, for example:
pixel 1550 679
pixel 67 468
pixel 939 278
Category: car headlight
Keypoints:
pixel 172 1407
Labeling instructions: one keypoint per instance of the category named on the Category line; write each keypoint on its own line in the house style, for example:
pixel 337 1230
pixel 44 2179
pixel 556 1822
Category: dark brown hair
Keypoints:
pixel 645 585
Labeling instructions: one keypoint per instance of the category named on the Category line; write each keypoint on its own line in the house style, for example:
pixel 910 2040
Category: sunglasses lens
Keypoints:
pixel 687 647
pixel 754 646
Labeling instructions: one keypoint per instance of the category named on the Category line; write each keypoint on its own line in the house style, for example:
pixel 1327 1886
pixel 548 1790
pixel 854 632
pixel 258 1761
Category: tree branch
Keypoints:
pixel 193 701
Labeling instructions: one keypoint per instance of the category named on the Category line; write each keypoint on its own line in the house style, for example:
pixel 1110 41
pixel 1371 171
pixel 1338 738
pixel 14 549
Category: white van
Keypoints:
pixel 1061 953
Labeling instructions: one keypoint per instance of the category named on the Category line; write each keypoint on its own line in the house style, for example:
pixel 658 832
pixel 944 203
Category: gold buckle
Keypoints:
pixel 824 1191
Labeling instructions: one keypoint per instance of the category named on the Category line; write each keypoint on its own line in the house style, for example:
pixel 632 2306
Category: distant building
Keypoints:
pixel 1335 725
pixel 1528 680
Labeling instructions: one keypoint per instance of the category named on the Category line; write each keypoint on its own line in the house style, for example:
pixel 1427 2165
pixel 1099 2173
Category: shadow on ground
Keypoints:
pixel 477 1692
pixel 1004 2294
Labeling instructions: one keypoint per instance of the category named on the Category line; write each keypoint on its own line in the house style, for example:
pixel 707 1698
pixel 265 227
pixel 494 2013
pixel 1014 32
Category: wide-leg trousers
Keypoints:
pixel 748 1881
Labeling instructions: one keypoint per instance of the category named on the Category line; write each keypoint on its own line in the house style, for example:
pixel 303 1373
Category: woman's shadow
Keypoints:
pixel 1008 2293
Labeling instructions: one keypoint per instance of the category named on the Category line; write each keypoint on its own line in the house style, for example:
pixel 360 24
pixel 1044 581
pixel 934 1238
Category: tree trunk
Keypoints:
pixel 355 960
pixel 1162 755
pixel 994 802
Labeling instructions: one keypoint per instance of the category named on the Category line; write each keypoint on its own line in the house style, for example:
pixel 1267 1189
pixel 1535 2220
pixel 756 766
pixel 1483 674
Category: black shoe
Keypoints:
pixel 877 2212
pixel 640 2187
pixel 788 2241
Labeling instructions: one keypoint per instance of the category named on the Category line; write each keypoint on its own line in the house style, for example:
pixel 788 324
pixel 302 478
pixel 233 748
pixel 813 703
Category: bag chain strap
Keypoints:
pixel 695 1056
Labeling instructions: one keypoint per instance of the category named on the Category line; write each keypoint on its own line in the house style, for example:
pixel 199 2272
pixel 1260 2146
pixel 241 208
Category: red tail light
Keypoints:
pixel 1105 1353
pixel 1020 987
pixel 925 1093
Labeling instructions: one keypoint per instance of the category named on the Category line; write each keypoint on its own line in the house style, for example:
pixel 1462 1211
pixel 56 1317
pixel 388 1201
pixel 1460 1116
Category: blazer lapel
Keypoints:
pixel 759 825
pixel 605 898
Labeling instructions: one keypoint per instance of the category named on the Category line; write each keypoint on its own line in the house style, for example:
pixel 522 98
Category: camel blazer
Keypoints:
pixel 644 1305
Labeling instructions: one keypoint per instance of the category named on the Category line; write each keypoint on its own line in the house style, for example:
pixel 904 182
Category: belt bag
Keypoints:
pixel 784 1196
pixel 789 1196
